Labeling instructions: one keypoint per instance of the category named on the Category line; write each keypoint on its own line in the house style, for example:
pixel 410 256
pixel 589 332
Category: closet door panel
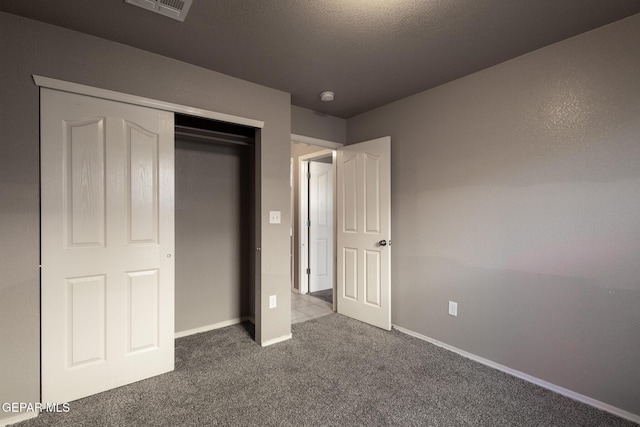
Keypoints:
pixel 107 244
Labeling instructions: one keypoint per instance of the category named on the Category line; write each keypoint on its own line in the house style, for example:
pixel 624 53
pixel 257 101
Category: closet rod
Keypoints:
pixel 212 138
pixel 204 131
pixel 216 134
pixel 209 135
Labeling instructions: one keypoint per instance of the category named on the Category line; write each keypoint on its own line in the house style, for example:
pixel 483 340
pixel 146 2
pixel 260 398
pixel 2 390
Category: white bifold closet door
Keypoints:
pixel 107 239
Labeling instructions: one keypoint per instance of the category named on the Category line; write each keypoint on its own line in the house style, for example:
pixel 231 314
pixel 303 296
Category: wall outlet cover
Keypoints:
pixel 453 308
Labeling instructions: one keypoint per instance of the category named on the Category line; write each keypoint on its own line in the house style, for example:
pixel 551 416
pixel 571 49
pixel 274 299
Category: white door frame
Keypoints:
pixel 303 215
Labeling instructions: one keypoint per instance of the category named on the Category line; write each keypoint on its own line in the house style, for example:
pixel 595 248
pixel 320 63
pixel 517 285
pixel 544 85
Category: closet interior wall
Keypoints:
pixel 214 229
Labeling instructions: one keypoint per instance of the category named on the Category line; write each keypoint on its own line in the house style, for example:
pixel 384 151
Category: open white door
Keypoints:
pixel 364 231
pixel 321 226
pixel 107 244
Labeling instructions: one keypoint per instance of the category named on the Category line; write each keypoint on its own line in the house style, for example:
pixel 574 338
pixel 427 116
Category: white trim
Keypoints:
pixel 23 416
pixel 315 141
pixel 211 327
pixel 276 340
pixel 537 381
pixel 292 249
pixel 145 102
pixel 303 236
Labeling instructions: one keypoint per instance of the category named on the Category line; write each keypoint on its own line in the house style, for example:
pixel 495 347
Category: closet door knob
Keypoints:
pixel 382 243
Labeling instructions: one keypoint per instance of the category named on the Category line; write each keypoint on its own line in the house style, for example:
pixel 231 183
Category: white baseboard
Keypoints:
pixel 542 383
pixel 276 340
pixel 23 416
pixel 208 328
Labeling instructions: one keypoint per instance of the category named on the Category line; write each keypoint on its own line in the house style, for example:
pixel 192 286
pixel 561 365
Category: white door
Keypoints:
pixel 107 212
pixel 321 226
pixel 364 231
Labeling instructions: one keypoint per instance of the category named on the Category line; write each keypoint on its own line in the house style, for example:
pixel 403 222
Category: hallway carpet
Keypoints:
pixel 335 371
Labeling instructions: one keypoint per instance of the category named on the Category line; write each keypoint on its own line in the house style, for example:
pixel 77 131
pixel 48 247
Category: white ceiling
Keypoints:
pixel 369 52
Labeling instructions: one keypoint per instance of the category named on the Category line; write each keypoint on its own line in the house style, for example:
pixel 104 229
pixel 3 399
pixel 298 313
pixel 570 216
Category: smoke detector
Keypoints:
pixel 327 96
pixel 176 9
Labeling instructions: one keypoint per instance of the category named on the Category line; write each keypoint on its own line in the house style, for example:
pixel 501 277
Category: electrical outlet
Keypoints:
pixel 453 308
pixel 272 301
pixel 274 217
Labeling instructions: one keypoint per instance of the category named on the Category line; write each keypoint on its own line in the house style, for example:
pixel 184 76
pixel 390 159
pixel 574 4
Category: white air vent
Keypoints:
pixel 176 9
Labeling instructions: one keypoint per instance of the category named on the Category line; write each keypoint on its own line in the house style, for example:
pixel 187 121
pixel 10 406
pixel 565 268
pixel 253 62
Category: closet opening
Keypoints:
pixel 214 224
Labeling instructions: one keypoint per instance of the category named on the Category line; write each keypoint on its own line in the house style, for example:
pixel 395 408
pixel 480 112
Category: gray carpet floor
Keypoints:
pixel 335 371
pixel 326 295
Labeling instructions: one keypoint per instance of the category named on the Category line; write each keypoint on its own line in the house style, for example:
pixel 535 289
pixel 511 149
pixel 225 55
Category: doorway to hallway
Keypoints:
pixel 306 307
pixel 313 232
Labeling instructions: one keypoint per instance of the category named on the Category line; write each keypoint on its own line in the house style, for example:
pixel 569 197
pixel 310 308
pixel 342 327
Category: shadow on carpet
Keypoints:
pixel 335 371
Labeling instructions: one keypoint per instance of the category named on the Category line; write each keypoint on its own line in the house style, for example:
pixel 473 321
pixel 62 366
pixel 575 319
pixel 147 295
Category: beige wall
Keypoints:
pixel 30 48
pixel 516 193
pixel 213 232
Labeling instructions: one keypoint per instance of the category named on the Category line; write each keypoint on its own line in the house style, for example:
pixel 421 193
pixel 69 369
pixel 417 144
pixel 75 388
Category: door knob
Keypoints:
pixel 382 243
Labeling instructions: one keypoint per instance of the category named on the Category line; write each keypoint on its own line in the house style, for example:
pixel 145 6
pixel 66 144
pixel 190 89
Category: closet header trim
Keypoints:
pixel 142 101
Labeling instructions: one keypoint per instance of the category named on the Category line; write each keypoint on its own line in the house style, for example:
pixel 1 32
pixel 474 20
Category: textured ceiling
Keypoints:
pixel 369 52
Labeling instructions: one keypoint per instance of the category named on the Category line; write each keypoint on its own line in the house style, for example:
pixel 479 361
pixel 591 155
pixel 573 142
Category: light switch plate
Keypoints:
pixel 272 301
pixel 274 217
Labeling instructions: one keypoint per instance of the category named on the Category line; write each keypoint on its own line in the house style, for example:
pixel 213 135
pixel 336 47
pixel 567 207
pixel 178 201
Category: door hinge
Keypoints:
pixel 308 223
pixel 308 271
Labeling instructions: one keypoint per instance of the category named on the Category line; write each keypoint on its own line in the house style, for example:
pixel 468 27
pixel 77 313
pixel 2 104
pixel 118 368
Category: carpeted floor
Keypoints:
pixel 326 295
pixel 335 371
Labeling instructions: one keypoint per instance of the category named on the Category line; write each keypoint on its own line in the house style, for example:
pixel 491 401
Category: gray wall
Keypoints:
pixel 213 233
pixel 30 48
pixel 516 193
pixel 317 125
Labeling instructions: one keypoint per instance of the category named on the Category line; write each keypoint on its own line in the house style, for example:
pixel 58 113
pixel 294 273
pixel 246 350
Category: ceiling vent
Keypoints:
pixel 176 9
